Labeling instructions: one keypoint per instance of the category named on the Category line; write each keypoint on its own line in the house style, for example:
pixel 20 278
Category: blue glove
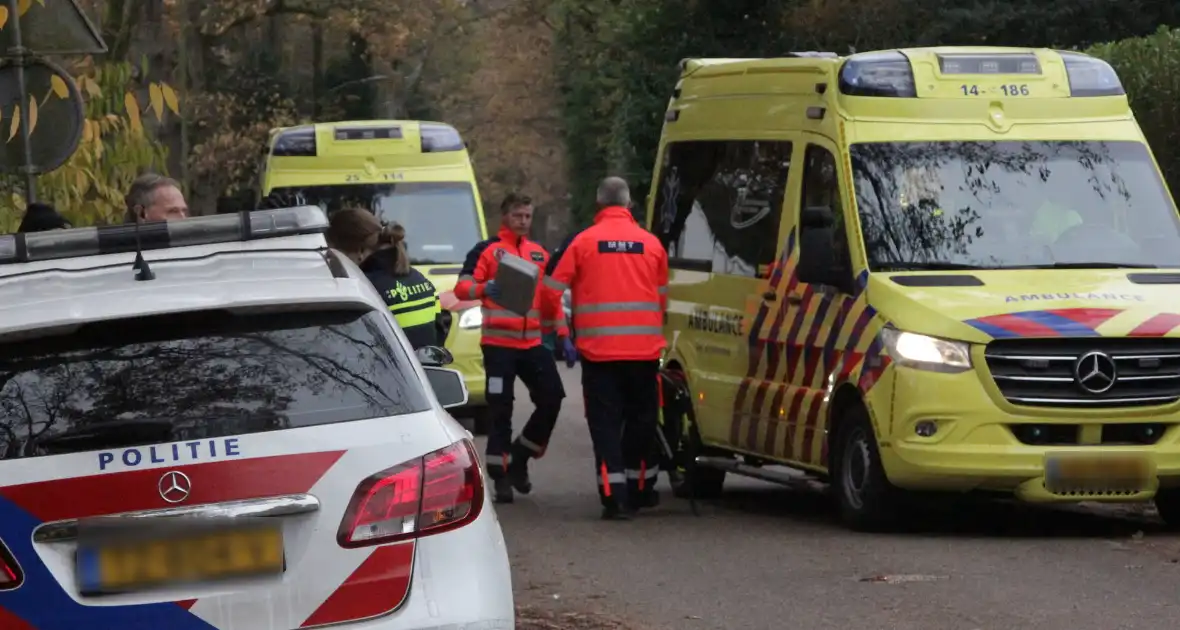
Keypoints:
pixel 569 351
pixel 492 290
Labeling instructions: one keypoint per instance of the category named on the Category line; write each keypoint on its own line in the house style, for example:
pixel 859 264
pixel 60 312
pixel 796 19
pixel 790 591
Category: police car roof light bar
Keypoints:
pixel 116 239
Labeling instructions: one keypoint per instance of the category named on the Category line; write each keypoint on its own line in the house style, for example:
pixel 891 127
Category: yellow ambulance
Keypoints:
pixel 415 173
pixel 921 271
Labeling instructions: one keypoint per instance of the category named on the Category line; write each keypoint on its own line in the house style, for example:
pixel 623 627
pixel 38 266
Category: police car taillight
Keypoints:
pixel 437 138
pixel 432 494
pixel 115 239
pixel 10 573
pixel 1090 76
pixel 887 74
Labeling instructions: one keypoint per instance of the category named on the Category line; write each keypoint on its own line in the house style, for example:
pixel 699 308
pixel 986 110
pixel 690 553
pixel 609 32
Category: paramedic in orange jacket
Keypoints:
pixel 617 273
pixel 512 348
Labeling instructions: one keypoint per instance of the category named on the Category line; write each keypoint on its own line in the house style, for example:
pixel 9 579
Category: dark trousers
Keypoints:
pixel 537 370
pixel 622 409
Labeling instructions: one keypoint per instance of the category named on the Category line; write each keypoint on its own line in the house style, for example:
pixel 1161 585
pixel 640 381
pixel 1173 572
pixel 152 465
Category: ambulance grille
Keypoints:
pixel 1086 373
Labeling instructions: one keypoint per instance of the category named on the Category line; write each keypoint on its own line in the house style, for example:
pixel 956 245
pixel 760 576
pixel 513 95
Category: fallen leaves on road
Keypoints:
pixel 902 579
pixel 532 618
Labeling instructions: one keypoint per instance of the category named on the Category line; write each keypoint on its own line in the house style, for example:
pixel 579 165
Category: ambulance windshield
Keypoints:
pixel 440 218
pixel 1005 205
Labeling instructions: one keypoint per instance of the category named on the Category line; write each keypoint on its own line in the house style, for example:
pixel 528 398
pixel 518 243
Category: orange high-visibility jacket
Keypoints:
pixel 618 276
pixel 502 327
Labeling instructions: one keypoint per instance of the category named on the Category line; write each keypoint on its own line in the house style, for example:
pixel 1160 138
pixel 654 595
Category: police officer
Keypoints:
pixel 381 253
pixel 618 274
pixel 512 348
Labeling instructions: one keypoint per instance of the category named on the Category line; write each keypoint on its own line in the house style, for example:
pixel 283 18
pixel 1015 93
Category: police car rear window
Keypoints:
pixel 199 375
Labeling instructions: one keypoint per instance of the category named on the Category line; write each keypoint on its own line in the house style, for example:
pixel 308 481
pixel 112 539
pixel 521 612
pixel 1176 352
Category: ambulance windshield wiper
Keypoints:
pixel 1088 265
pixel 108 434
pixel 931 266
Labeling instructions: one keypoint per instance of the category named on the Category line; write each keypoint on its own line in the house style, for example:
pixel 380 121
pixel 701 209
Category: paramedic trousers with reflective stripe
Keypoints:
pixel 622 408
pixel 537 369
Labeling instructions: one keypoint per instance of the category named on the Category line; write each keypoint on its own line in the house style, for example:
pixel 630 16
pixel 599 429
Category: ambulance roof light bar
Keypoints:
pixel 117 239
pixel 1090 76
pixel 886 74
pixel 296 142
pixel 438 138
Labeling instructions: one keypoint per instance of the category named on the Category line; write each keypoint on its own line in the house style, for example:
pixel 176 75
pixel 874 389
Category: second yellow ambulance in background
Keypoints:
pixel 415 173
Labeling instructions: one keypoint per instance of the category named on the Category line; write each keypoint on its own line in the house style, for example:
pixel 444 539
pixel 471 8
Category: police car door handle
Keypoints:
pixel 770 296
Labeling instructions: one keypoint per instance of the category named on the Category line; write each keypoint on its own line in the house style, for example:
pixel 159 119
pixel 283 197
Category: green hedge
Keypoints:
pixel 1149 68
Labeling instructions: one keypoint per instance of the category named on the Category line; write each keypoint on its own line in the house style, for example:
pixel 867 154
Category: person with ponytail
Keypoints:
pixel 381 253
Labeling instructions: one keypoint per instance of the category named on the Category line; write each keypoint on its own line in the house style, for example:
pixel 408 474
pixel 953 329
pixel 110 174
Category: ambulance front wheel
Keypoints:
pixel 867 501
pixel 693 481
pixel 1167 503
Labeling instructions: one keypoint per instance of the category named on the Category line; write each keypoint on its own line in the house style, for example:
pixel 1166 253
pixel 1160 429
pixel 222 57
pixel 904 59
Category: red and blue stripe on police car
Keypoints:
pixel 376 585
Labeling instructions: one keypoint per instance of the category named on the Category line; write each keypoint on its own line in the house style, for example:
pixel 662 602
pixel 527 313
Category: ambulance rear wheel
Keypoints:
pixel 867 501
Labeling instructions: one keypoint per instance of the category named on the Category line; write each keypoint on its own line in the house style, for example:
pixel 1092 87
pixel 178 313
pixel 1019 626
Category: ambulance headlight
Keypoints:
pixel 923 352
pixel 471 318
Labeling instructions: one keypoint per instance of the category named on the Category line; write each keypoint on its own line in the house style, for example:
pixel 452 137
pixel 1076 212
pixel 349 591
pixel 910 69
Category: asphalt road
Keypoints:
pixel 770 558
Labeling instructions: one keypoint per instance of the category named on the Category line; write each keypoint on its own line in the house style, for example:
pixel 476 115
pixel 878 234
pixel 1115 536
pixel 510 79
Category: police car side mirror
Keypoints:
pixel 819 262
pixel 448 385
pixel 434 355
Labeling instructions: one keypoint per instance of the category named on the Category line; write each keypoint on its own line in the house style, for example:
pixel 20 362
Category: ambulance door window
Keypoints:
pixel 821 193
pixel 716 207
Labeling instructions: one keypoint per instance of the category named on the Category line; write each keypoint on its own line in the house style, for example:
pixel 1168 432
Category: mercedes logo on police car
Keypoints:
pixel 175 486
pixel 1095 372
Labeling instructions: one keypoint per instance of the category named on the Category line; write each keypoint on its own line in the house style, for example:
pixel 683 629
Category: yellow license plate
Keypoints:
pixel 127 564
pixel 1086 472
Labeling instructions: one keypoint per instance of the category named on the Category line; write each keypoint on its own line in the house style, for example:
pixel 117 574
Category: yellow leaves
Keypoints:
pixel 156 96
pixel 32 115
pixel 3 16
pixel 132 106
pixel 14 126
pixel 22 6
pixel 91 86
pixel 170 98
pixel 59 87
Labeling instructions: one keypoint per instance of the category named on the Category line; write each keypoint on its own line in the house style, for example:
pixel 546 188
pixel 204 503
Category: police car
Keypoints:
pixel 215 424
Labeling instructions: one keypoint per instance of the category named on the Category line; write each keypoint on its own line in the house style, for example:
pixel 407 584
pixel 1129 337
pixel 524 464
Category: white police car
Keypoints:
pixel 234 436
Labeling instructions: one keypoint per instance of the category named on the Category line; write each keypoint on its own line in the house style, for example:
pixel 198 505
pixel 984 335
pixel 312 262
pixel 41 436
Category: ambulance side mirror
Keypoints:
pixel 819 258
pixel 434 355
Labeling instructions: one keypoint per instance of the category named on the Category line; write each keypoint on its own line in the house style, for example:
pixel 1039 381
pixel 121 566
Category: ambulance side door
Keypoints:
pixel 819 315
pixel 717 211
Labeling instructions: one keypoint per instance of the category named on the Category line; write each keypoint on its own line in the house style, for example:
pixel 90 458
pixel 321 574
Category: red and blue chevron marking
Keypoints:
pixel 1064 322
pixel 41 604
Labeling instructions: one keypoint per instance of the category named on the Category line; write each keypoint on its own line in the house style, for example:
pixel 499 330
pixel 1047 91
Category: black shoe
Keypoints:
pixel 613 512
pixel 518 475
pixel 646 500
pixel 502 488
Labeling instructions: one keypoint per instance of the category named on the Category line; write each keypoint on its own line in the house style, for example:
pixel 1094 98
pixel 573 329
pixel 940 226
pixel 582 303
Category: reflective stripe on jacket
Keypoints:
pixel 412 300
pixel 502 327
pixel 617 273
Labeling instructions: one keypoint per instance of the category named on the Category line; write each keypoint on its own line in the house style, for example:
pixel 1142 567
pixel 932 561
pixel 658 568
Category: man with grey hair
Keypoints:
pixel 614 191
pixel 617 273
pixel 154 197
